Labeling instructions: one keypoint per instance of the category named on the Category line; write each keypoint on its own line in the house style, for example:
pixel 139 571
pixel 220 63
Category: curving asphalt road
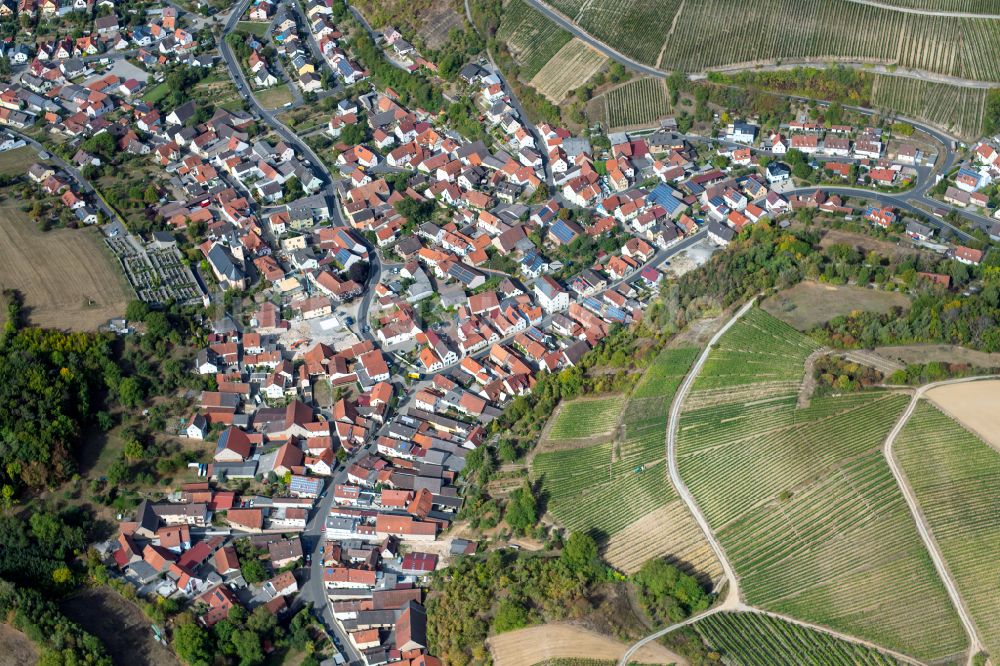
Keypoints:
pixel 975 641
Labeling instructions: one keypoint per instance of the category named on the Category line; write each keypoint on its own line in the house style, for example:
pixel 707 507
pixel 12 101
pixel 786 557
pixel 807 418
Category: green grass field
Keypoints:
pixel 577 419
pixel 803 501
pixel 532 38
pixel 751 639
pixel 954 475
pixel 156 93
pixel 17 160
pixel 252 27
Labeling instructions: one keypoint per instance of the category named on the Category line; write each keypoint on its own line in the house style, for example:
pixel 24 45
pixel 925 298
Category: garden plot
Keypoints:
pixel 953 474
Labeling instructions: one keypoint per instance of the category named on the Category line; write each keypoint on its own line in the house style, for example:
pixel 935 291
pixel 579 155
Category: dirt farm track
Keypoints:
pixel 531 645
pixel 68 278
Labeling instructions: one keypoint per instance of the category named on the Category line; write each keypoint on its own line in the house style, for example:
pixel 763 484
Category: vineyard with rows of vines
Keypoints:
pixel 718 33
pixel 618 491
pixel 754 639
pixel 952 108
pixel 639 102
pixel 963 6
pixel 802 498
pixel 636 29
pixel 953 474
pixel 586 417
pixel 531 37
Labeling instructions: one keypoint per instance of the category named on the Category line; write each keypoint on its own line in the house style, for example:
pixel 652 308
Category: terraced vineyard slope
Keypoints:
pixel 953 474
pixel 803 501
pixel 617 490
pixel 753 639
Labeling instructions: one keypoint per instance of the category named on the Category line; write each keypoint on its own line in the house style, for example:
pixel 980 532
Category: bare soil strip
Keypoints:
pixel 526 647
pixel 974 405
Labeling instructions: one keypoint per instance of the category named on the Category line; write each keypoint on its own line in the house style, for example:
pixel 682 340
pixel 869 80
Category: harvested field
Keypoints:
pixel 120 625
pixel 526 647
pixel 16 649
pixel 974 405
pixel 809 304
pixel 68 278
pixel 569 68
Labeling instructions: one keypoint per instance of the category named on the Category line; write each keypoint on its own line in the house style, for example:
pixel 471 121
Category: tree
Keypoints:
pixel 62 575
pixel 136 310
pixel 253 571
pixel 510 616
pixel 193 645
pixel 134 450
pixel 521 509
pixel 352 134
pixel 262 621
pixel 358 271
pixel 129 392
pixel 580 555
pixel 415 212
pixel 248 649
pixel 103 145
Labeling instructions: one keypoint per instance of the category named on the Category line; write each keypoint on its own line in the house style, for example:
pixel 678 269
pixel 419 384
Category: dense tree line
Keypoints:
pixel 51 383
pixel 504 591
pixel 36 550
pixel 240 637
pixel 836 84
pixel 836 374
pixel 667 594
pixel 61 642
